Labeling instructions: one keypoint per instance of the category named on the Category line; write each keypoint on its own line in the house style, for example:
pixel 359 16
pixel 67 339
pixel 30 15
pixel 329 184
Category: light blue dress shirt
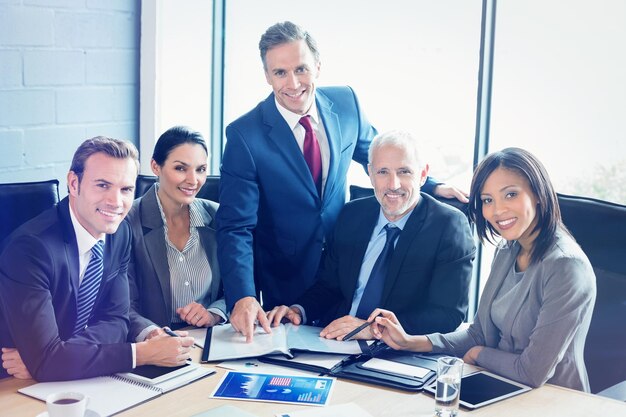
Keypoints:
pixel 374 248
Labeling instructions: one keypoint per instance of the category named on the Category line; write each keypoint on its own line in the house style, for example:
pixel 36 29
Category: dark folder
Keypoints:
pixel 352 368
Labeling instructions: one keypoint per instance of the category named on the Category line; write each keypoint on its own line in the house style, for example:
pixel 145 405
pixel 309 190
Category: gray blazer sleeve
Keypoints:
pixel 568 296
pixel 458 342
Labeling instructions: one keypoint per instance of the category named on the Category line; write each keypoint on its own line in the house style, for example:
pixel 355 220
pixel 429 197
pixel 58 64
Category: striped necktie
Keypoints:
pixel 89 287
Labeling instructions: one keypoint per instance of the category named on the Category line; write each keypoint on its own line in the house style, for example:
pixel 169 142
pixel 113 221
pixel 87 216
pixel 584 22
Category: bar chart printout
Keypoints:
pixel 302 390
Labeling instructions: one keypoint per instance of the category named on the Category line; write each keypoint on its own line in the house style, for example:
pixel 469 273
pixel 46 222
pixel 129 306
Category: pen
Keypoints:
pixel 168 331
pixel 357 330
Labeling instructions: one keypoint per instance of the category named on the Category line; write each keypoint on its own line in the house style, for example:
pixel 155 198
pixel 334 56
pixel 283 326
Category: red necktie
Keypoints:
pixel 312 155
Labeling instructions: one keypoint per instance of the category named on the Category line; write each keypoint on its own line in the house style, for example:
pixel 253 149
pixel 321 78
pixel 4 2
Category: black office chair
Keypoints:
pixel 209 191
pixel 600 229
pixel 143 183
pixel 361 192
pixel 211 188
pixel 20 202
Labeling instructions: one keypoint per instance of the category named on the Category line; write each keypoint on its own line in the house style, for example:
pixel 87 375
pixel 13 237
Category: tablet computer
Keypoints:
pixel 482 388
pixel 152 374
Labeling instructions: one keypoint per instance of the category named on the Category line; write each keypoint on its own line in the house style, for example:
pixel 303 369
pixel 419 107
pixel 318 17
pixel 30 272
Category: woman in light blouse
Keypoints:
pixel 535 309
pixel 174 276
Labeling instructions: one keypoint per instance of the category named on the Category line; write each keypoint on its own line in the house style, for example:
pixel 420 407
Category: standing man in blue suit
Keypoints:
pixel 63 278
pixel 276 206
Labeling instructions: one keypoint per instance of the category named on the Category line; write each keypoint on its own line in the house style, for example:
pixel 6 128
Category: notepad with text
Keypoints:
pixel 113 393
pixel 223 343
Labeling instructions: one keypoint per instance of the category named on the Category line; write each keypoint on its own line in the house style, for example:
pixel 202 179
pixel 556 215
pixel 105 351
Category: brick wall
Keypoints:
pixel 69 70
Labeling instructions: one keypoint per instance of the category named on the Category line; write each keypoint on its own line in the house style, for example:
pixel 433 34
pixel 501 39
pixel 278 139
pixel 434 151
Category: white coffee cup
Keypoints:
pixel 67 404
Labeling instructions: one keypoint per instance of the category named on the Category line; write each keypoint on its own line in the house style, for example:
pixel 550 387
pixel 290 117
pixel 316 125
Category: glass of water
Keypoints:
pixel 449 373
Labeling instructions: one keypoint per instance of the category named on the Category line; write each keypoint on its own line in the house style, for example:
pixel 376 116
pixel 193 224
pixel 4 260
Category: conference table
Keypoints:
pixel 548 401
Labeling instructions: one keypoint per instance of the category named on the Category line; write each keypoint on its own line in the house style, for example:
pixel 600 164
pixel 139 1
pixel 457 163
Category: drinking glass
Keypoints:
pixel 449 373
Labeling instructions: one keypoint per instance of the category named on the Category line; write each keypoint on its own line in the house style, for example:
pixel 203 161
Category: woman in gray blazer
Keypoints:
pixel 535 309
pixel 174 276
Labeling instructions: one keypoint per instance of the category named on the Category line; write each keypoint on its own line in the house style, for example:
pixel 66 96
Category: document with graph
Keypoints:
pixel 292 389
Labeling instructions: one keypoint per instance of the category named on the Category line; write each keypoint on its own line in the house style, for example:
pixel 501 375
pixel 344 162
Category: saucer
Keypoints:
pixel 88 413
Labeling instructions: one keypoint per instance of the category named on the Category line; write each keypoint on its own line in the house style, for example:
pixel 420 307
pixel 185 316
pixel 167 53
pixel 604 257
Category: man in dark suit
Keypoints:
pixel 429 255
pixel 63 283
pixel 283 179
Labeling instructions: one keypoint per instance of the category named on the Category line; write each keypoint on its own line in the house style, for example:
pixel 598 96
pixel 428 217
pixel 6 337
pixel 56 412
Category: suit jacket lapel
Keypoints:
pixel 71 246
pixel 282 137
pixel 72 255
pixel 410 232
pixel 361 241
pixel 153 234
pixel 332 126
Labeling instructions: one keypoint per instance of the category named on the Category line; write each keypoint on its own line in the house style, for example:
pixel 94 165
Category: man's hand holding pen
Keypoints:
pixel 347 327
pixel 166 349
pixel 344 328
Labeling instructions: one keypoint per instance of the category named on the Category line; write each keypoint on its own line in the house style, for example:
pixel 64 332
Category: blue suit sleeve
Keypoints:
pixel 366 134
pixel 27 293
pixel 429 186
pixel 237 218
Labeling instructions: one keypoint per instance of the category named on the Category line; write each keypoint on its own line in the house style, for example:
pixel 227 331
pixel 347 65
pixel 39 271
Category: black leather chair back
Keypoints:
pixel 599 227
pixel 209 191
pixel 143 183
pixel 20 202
pixel 211 188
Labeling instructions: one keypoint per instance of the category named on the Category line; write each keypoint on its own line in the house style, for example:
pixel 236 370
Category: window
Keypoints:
pixel 559 91
pixel 558 88
pixel 176 45
pixel 413 67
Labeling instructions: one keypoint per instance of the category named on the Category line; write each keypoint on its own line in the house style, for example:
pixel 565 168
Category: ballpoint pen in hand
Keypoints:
pixel 169 331
pixel 358 329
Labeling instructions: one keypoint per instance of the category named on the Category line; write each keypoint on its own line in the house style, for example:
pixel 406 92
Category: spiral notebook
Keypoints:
pixel 113 394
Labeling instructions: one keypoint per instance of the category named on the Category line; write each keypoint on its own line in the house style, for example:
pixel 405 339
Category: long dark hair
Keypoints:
pixel 528 166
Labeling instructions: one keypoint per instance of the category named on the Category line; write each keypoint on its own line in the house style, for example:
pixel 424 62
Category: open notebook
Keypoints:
pixel 114 393
pixel 222 343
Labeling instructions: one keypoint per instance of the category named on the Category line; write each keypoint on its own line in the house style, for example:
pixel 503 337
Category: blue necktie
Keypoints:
pixel 376 282
pixel 89 287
